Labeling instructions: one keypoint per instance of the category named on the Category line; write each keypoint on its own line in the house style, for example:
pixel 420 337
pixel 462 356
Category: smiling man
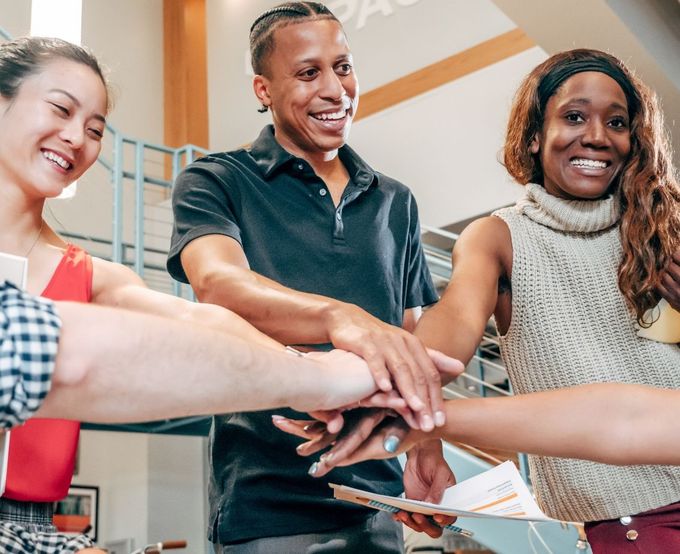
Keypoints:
pixel 302 238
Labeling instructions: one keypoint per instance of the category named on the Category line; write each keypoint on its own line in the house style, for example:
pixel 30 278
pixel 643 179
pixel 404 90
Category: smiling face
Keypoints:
pixel 51 131
pixel 585 139
pixel 311 87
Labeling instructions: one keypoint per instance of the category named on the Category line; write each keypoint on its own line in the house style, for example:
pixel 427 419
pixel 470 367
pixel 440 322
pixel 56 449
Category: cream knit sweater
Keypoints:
pixel 571 326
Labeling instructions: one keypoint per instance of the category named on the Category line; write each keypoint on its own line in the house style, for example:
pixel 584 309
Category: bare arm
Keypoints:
pixel 133 367
pixel 611 423
pixel 455 324
pixel 117 286
pixel 218 270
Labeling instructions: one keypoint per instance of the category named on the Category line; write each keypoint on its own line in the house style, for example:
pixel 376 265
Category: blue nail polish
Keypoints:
pixel 391 444
pixel 313 468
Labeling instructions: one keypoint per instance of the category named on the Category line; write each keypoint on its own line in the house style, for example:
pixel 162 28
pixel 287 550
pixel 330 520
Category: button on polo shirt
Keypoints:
pixel 366 250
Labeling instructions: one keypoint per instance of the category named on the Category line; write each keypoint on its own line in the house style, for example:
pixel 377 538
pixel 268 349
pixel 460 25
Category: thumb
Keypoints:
pixel 446 365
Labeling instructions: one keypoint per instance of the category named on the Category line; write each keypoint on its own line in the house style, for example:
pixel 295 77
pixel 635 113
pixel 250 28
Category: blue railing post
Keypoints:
pixel 117 177
pixel 139 208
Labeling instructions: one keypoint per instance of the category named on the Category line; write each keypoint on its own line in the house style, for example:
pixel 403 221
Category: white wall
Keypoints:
pixel 177 482
pixel 117 463
pixel 444 145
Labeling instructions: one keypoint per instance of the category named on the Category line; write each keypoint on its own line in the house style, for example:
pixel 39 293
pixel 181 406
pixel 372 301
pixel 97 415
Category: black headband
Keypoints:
pixel 292 10
pixel 552 81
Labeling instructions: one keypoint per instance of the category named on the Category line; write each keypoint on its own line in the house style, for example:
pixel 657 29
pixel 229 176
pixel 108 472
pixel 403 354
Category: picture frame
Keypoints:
pixel 78 513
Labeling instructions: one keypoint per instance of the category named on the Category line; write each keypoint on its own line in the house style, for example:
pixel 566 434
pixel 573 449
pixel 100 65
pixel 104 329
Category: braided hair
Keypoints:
pixel 288 13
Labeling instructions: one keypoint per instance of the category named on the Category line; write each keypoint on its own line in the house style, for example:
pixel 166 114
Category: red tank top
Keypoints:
pixel 42 452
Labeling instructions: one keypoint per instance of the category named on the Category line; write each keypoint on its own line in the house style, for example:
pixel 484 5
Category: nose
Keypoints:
pixel 73 133
pixel 331 86
pixel 595 134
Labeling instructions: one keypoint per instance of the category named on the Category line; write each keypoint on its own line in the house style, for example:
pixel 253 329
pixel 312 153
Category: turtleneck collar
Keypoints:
pixel 573 216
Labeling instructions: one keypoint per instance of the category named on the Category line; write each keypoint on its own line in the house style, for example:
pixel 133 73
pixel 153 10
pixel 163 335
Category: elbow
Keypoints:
pixel 208 285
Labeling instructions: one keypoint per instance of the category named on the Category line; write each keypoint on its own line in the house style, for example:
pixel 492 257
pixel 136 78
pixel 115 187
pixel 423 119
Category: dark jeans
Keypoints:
pixel 379 534
pixel 653 532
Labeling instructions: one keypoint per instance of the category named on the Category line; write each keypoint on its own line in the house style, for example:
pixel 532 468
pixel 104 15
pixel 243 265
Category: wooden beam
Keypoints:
pixel 440 73
pixel 185 73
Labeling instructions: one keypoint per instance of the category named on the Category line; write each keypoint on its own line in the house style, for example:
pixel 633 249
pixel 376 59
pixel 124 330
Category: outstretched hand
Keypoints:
pixel 397 359
pixel 367 435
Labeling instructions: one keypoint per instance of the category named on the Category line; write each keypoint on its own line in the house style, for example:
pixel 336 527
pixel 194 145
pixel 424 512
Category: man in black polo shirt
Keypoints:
pixel 302 238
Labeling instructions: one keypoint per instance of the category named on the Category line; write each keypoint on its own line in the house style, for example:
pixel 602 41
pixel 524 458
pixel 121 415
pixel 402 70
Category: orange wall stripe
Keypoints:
pixel 185 73
pixel 440 73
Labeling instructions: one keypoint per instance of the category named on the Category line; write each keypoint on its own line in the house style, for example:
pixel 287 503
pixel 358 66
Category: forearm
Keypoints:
pixel 287 315
pixel 452 335
pixel 610 423
pixel 119 366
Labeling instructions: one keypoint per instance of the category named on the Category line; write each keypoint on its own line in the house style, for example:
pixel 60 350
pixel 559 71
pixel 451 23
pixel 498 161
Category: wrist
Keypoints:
pixel 333 315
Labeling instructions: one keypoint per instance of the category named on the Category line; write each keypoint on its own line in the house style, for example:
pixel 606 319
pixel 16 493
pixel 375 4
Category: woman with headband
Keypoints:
pixel 571 273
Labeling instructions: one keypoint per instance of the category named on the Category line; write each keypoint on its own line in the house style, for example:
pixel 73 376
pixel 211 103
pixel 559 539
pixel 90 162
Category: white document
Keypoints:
pixel 498 492
pixel 13 269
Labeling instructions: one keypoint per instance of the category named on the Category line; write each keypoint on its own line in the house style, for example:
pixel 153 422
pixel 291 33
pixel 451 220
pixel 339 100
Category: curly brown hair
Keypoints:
pixel 647 187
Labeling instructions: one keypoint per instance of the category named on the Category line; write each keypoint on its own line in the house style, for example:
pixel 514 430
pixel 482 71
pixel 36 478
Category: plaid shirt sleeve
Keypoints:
pixel 29 337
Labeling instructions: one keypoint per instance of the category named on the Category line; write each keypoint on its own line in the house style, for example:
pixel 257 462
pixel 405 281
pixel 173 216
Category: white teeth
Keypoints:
pixel 582 162
pixel 61 162
pixel 332 116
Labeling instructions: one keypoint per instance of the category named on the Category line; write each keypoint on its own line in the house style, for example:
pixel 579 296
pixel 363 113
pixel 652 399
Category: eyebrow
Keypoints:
pixel 587 101
pixel 97 116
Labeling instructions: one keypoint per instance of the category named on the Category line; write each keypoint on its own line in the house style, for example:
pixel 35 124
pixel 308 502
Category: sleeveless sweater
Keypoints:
pixel 42 452
pixel 571 326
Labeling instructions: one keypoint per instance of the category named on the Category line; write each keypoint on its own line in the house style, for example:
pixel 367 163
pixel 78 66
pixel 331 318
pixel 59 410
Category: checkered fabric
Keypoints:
pixel 29 336
pixel 38 539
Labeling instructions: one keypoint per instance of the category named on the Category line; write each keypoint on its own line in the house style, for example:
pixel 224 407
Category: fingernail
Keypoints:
pixel 325 458
pixel 426 423
pixel 313 469
pixel 276 417
pixel 439 418
pixel 391 443
pixel 300 447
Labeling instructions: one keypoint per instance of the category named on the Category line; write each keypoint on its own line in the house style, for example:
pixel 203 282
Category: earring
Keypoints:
pixel 263 109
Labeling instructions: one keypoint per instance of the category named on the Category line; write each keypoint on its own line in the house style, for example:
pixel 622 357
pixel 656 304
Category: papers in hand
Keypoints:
pixel 666 326
pixel 498 492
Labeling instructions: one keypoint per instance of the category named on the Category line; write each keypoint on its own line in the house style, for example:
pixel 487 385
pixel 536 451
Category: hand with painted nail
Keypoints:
pixel 397 359
pixel 318 434
pixel 367 435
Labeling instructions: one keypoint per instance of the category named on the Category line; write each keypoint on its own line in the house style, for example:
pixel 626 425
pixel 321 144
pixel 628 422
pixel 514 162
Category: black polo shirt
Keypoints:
pixel 366 251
